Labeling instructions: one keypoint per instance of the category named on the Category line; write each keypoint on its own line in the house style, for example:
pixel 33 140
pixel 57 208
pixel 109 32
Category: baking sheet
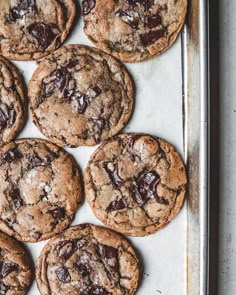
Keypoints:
pixel 158 111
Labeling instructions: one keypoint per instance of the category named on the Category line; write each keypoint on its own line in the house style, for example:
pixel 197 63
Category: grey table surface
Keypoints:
pixel 223 147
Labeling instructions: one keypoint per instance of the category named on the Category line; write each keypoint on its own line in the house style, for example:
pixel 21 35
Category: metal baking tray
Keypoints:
pixel 171 103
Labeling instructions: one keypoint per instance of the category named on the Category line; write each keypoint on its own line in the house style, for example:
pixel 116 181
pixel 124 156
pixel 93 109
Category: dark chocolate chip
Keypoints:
pixel 110 256
pixel 116 205
pixel 35 161
pixel 153 21
pixel 70 64
pixel 42 33
pixel 6 269
pixel 112 171
pixel 66 249
pixel 151 37
pixel 3 288
pixel 81 243
pixel 3 118
pixel 63 275
pixel 81 102
pixel 128 18
pixel 146 187
pixel 7 115
pixel 146 3
pixel 161 200
pixel 87 6
pixel 58 213
pixel 82 268
pixel 15 200
pixel 98 290
pixel 65 83
pixel 23 8
pixel 98 125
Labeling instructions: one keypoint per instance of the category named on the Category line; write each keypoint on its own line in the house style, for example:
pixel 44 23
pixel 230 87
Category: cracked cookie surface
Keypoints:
pixel 135 183
pixel 133 30
pixel 31 29
pixel 87 260
pixel 87 94
pixel 12 102
pixel 15 271
pixel 40 189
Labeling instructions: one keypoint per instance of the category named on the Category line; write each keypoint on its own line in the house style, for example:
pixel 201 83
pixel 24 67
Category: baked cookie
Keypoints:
pixel 40 189
pixel 15 271
pixel 87 260
pixel 87 94
pixel 135 184
pixel 12 102
pixel 133 30
pixel 31 29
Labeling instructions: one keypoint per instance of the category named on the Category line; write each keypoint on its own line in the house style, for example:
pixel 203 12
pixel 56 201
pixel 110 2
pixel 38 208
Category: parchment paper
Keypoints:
pixel 158 111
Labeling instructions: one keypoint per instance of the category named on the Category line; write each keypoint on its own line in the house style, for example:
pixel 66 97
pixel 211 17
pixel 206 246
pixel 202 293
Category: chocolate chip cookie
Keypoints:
pixel 12 102
pixel 135 183
pixel 40 189
pixel 87 260
pixel 80 96
pixel 31 29
pixel 15 271
pixel 133 30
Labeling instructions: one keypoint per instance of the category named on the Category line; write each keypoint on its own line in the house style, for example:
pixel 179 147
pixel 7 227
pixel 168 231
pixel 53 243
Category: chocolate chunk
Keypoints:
pixel 7 115
pixel 3 288
pixel 87 6
pixel 128 18
pixel 161 200
pixel 98 125
pixel 116 205
pixel 6 269
pixel 146 3
pixel 58 213
pixel 14 198
pixel 11 156
pixel 81 102
pixel 146 187
pixel 151 37
pixel 35 161
pixel 112 171
pixel 110 256
pixel 67 249
pixel 70 64
pixel 23 8
pixel 82 268
pixel 153 21
pixel 41 33
pixel 65 83
pixel 97 290
pixel 81 243
pixel 63 275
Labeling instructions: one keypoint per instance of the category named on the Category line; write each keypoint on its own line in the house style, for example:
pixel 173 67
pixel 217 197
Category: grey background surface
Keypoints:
pixel 223 147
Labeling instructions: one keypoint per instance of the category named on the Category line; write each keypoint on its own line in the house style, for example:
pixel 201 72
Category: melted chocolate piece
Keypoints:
pixel 116 205
pixel 128 18
pixel 6 269
pixel 82 268
pixel 42 33
pixel 153 21
pixel 112 171
pixel 63 275
pixel 7 115
pixel 151 37
pixel 98 125
pixel 87 6
pixel 97 290
pixel 81 102
pixel 58 213
pixel 14 198
pixel 161 200
pixel 67 249
pixel 65 83
pixel 110 256
pixel 11 156
pixel 35 161
pixel 146 3
pixel 3 288
pixel 146 187
pixel 23 8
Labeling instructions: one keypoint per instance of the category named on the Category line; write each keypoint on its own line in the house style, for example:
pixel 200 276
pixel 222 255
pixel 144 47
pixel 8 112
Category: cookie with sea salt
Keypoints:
pixel 39 189
pixel 80 95
pixel 133 30
pixel 135 183
pixel 31 29
pixel 87 260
